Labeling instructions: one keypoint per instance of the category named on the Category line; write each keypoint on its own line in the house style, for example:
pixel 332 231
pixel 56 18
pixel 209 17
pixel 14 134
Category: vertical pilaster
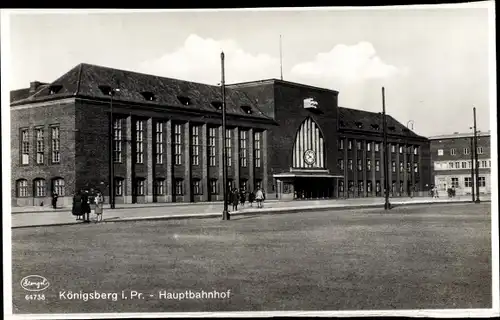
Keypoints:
pixel 355 166
pixel 265 169
pixel 398 169
pixel 406 170
pixel 149 161
pixel 128 143
pixel 373 172
pixel 412 164
pixel 220 149
pixel 365 168
pixel 204 162
pixel 188 196
pixel 251 156
pixel 346 170
pixel 236 156
pixel 382 168
pixel 169 161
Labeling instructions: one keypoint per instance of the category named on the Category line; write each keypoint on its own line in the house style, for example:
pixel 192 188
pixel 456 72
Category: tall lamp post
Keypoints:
pixel 387 205
pixel 410 181
pixel 472 180
pixel 111 160
pixel 475 155
pixel 225 212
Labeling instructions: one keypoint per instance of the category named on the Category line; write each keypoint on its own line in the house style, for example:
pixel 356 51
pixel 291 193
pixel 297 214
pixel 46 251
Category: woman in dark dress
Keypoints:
pixel 251 198
pixel 235 199
pixel 243 197
pixel 77 205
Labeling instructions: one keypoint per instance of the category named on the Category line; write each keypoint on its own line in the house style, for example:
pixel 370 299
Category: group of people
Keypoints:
pixel 84 202
pixel 236 197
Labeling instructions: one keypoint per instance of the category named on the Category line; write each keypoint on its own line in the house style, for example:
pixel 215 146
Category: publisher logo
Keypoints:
pixel 34 283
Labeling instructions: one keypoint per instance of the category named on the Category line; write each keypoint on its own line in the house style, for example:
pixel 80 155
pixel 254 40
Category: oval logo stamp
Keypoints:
pixel 34 283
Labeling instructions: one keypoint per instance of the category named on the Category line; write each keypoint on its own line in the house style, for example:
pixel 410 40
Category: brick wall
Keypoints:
pixel 59 113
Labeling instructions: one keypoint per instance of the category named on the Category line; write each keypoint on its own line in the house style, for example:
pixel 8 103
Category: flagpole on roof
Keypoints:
pixel 281 60
pixel 225 212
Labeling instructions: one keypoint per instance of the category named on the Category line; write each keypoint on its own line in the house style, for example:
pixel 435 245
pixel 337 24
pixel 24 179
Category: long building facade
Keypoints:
pixel 291 139
pixel 452 163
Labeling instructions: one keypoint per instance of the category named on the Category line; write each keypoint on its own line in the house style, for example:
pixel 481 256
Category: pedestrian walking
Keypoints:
pixel 86 206
pixel 251 198
pixel 77 205
pixel 54 200
pixel 99 201
pixel 243 198
pixel 259 197
pixel 235 199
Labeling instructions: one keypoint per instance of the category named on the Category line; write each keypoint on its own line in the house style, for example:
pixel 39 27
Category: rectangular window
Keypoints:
pixel 341 144
pixel 197 187
pixel 401 150
pixel 484 164
pixel 360 165
pixel 415 150
pixel 55 144
pixel 482 181
pixel 457 165
pixel 341 164
pixel 118 187
pixel 415 167
pixel 377 165
pixel 195 145
pixel 394 166
pixel 257 140
pixel 40 145
pixel 368 165
pixel 468 182
pixel 58 186
pixel 229 148
pixel 361 186
pixel 117 140
pixel 139 141
pixel 359 145
pixel 450 165
pixel 22 188
pixel 212 138
pixel 454 182
pixel 179 183
pixel 466 151
pixel 243 148
pixel 349 144
pixel 349 164
pixel 408 167
pixel 25 146
pixel 469 164
pixel 401 166
pixel 369 186
pixel 377 147
pixel 213 186
pixel 464 164
pixel 159 140
pixel 178 144
pixel 341 186
pixel 440 152
pixel 393 148
pixel 159 187
pixel 368 146
pixel 453 151
pixel 140 186
pixel 40 188
pixel 479 150
pixel 350 186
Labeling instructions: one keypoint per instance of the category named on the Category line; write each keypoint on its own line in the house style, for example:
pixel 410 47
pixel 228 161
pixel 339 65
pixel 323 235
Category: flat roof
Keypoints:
pixel 460 135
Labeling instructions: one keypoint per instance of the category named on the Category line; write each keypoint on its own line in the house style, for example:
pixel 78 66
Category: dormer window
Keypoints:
pixel 149 96
pixel 185 101
pixel 392 128
pixel 375 126
pixel 359 124
pixel 105 89
pixel 217 105
pixel 53 89
pixel 247 109
pixel 341 123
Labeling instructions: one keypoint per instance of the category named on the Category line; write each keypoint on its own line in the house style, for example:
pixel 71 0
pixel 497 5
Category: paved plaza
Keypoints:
pixel 43 216
pixel 411 257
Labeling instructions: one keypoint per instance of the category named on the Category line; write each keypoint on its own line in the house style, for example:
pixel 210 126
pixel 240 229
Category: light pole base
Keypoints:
pixel 477 201
pixel 387 205
pixel 226 215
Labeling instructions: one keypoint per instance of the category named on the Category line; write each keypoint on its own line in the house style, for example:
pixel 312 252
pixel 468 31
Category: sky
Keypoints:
pixel 433 62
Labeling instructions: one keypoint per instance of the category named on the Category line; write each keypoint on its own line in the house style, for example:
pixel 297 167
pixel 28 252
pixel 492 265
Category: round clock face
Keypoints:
pixel 309 157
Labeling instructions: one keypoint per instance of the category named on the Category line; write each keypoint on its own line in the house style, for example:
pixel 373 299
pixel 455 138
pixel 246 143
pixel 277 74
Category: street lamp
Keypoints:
pixel 473 182
pixel 225 212
pixel 475 155
pixel 111 160
pixel 409 170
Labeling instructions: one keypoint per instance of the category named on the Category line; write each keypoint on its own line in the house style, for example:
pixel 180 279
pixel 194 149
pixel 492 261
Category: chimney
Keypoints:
pixel 34 86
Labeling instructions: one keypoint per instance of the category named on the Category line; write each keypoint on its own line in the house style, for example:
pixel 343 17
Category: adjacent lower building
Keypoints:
pixel 452 159
pixel 292 140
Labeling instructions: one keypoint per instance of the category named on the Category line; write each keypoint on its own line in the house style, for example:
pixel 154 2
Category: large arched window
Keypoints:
pixel 22 188
pixel 309 146
pixel 58 186
pixel 39 187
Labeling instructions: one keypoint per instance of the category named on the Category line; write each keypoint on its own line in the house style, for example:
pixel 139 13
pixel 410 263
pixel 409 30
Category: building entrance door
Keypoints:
pixel 314 188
